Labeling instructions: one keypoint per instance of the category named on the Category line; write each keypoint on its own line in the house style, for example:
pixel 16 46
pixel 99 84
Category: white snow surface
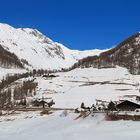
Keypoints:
pixel 40 51
pixel 68 90
pixel 31 126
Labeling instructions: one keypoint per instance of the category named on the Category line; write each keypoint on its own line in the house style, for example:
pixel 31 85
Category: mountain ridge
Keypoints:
pixel 125 54
pixel 37 50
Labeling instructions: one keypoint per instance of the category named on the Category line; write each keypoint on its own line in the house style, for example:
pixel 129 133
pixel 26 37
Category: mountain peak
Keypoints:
pixel 37 50
pixel 30 31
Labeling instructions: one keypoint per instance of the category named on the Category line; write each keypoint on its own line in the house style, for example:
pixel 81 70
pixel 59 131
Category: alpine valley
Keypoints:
pixel 48 91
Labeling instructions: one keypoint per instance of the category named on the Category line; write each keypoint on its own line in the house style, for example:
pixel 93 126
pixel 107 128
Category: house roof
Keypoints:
pixel 127 102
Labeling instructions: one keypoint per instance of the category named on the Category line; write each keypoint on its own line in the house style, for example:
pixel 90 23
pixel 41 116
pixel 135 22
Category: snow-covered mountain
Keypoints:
pixel 126 54
pixel 35 50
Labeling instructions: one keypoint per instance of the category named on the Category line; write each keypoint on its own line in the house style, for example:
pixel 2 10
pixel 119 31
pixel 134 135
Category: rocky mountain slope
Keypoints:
pixel 126 54
pixel 35 50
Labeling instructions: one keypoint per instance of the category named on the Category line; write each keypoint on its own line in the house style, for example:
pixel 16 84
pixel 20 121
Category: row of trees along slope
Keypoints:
pixel 126 54
pixel 9 60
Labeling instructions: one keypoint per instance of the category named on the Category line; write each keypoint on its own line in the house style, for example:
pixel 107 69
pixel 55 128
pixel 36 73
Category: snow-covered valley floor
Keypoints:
pixel 31 126
pixel 69 89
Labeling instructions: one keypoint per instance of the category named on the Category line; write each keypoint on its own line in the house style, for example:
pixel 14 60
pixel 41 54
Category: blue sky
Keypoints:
pixel 78 24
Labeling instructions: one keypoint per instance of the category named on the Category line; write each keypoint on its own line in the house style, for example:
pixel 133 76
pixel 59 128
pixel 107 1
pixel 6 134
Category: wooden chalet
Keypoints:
pixel 127 106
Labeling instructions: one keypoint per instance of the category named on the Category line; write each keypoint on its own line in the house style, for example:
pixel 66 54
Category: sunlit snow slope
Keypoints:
pixel 38 50
pixel 88 84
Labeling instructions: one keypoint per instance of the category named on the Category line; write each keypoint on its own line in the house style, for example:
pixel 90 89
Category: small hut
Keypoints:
pixel 127 106
pixel 37 103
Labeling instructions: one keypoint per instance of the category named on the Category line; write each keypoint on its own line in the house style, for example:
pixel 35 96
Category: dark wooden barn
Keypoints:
pixel 127 106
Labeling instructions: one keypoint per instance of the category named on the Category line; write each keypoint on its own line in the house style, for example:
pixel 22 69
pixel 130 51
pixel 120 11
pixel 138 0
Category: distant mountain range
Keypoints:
pixel 29 48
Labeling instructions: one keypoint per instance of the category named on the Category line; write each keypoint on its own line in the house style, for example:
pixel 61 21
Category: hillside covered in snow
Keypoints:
pixel 35 50
pixel 125 54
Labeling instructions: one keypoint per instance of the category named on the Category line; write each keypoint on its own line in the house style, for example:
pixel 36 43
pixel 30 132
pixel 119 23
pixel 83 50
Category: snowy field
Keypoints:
pixel 69 89
pixel 72 88
pixel 31 126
